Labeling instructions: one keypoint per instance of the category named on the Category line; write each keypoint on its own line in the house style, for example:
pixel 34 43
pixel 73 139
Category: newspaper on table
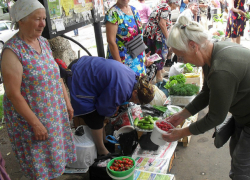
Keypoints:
pixel 154 161
pixel 144 175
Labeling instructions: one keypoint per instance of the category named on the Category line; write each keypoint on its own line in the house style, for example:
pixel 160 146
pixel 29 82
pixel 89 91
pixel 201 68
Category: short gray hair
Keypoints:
pixel 191 3
pixel 184 31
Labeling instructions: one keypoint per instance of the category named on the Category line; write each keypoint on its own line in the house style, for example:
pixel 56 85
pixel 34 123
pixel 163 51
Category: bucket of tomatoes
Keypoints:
pixel 160 127
pixel 122 167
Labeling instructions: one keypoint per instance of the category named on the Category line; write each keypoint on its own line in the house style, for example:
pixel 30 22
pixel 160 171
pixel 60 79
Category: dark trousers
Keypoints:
pixel 240 153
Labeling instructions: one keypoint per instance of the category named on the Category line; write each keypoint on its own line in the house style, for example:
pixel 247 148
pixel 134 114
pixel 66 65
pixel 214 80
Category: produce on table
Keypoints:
pixel 173 80
pixel 188 68
pixel 163 125
pixel 191 75
pixel 184 90
pixel 122 165
pixel 220 32
pixel 216 37
pixel 161 108
pixel 146 123
pixel 180 78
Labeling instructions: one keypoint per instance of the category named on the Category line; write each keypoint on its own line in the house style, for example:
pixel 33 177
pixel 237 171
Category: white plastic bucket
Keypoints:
pixel 156 136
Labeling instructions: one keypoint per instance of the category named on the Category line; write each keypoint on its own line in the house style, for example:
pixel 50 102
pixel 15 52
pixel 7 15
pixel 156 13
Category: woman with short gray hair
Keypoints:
pixel 226 88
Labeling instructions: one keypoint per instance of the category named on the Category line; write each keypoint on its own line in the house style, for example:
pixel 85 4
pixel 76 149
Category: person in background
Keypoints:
pixel 236 21
pixel 192 9
pixel 37 108
pixel 98 86
pixel 215 9
pixel 196 16
pixel 144 12
pixel 203 6
pixel 76 32
pixel 156 33
pixel 122 23
pixel 226 88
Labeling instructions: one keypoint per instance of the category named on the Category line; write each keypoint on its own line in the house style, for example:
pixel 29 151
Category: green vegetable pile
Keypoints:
pixel 188 68
pixel 160 108
pixel 216 37
pixel 184 90
pixel 221 32
pixel 173 80
pixel 218 18
pixel 146 123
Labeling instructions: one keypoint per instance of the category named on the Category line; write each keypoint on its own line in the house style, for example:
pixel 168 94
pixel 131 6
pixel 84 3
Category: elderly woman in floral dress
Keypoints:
pixel 36 106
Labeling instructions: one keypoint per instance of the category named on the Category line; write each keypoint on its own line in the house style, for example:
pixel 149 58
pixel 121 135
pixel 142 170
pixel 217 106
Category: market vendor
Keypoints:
pixel 99 86
pixel 226 88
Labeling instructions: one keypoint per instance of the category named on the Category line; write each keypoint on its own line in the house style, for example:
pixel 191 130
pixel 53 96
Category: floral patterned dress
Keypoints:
pixel 153 36
pixel 43 92
pixel 127 30
pixel 236 23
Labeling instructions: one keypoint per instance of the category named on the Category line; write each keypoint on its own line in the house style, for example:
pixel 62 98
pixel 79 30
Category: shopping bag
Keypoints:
pixel 223 132
pixel 127 117
pixel 159 98
pixel 128 142
pixel 85 149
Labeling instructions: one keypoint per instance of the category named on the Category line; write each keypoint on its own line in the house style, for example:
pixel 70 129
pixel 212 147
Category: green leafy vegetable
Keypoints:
pixel 221 32
pixel 188 68
pixel 169 84
pixel 180 78
pixel 184 90
pixel 218 18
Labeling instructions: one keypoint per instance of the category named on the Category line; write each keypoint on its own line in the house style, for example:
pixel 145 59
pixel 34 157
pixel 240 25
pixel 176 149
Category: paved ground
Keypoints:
pixel 200 161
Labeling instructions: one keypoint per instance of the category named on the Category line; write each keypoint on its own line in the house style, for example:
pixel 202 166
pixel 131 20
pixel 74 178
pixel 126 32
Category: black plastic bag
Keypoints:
pixel 79 131
pixel 148 109
pixel 128 142
pixel 223 132
pixel 146 143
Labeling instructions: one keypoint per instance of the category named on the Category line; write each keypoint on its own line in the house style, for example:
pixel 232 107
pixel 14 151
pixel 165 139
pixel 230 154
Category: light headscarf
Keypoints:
pixel 23 8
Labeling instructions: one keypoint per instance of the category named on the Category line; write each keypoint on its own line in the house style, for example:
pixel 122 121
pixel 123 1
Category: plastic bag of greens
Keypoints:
pixel 171 110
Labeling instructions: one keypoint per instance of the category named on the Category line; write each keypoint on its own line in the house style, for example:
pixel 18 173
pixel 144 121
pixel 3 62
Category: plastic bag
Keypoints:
pixel 171 109
pixel 127 117
pixel 161 85
pixel 176 69
pixel 148 109
pixel 128 142
pixel 159 98
pixel 85 149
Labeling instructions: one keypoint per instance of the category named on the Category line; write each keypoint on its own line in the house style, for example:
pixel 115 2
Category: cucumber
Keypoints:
pixel 136 121
pixel 155 118
pixel 151 126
